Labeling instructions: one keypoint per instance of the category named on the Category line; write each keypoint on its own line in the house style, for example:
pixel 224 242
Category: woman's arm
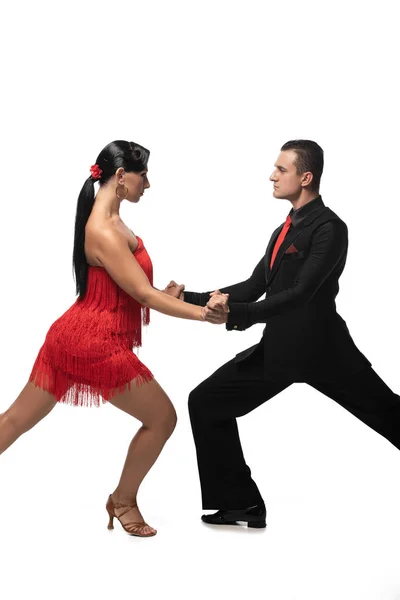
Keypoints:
pixel 116 257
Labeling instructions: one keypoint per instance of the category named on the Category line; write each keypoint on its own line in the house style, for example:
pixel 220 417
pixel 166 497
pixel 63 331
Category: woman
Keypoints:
pixel 87 353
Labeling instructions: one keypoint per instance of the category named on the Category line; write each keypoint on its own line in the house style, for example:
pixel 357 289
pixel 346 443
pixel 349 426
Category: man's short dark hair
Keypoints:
pixel 310 157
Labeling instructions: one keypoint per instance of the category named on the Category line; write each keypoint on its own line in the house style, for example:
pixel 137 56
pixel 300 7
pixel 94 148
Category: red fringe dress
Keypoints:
pixel 87 354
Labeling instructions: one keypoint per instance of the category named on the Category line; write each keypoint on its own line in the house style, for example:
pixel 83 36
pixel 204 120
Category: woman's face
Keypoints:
pixel 136 183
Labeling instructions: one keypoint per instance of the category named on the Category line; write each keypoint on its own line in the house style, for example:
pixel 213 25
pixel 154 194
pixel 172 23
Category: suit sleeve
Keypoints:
pixel 328 247
pixel 246 291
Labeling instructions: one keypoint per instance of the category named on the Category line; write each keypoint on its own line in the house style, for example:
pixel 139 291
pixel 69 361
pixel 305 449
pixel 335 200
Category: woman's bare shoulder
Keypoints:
pixel 97 232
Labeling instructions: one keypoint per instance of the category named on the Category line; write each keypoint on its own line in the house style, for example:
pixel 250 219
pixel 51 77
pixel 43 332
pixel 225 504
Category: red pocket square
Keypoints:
pixel 292 248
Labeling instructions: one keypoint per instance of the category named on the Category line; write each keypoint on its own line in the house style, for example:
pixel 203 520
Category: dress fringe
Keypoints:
pixel 68 389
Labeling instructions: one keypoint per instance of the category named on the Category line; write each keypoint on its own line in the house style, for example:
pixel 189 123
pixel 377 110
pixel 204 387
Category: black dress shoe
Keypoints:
pixel 254 516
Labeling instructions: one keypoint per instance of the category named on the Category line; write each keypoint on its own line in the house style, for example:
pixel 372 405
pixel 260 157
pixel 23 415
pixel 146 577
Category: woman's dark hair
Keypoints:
pixel 310 157
pixel 130 156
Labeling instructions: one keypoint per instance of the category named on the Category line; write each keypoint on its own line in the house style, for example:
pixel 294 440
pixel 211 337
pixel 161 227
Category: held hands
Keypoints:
pixel 216 310
pixel 175 290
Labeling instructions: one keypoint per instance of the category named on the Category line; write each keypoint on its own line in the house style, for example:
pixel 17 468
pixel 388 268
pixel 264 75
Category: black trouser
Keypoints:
pixel 235 389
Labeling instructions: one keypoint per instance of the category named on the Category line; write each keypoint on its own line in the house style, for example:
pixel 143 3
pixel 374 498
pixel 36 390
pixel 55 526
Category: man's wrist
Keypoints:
pixel 237 316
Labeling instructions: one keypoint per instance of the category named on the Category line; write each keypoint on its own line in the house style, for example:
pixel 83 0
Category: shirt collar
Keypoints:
pixel 300 213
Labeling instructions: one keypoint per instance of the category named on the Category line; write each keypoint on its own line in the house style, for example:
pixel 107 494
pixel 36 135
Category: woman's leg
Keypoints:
pixel 149 404
pixel 29 408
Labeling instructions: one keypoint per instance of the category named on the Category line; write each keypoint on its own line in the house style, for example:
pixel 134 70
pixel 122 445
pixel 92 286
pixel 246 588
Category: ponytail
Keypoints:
pixel 83 210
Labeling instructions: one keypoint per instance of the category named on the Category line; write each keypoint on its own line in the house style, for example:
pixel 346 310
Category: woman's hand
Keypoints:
pixel 175 290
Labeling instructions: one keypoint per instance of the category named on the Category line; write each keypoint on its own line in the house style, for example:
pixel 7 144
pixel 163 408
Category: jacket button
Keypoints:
pixel 235 327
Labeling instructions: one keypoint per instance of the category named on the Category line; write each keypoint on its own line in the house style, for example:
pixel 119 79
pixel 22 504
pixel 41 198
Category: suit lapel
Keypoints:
pixel 293 233
pixel 289 239
pixel 271 244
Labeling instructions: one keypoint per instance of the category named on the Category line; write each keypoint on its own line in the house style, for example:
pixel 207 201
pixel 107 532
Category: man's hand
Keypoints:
pixel 216 311
pixel 175 290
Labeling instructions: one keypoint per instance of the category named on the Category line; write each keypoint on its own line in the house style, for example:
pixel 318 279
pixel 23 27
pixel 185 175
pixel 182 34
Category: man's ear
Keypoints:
pixel 307 178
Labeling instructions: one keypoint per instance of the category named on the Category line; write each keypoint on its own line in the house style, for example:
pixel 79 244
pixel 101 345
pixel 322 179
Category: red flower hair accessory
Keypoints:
pixel 96 171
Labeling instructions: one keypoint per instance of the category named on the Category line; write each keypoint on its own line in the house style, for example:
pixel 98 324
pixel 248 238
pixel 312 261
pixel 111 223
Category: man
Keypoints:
pixel 305 340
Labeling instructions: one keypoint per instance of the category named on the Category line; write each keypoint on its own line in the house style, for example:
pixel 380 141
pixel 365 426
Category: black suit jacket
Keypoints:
pixel 304 336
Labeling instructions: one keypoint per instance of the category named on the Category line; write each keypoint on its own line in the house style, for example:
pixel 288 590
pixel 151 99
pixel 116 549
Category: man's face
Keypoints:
pixel 287 184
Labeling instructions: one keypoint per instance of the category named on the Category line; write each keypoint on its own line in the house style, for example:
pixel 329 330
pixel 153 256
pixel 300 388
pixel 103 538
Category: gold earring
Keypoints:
pixel 126 195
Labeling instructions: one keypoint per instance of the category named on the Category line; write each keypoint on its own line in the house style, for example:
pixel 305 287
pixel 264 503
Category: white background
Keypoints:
pixel 213 89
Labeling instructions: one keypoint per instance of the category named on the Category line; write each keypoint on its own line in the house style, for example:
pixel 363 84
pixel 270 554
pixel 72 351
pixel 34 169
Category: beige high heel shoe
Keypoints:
pixel 119 510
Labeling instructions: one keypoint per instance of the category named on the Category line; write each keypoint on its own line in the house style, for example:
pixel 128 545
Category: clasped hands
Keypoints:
pixel 216 310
